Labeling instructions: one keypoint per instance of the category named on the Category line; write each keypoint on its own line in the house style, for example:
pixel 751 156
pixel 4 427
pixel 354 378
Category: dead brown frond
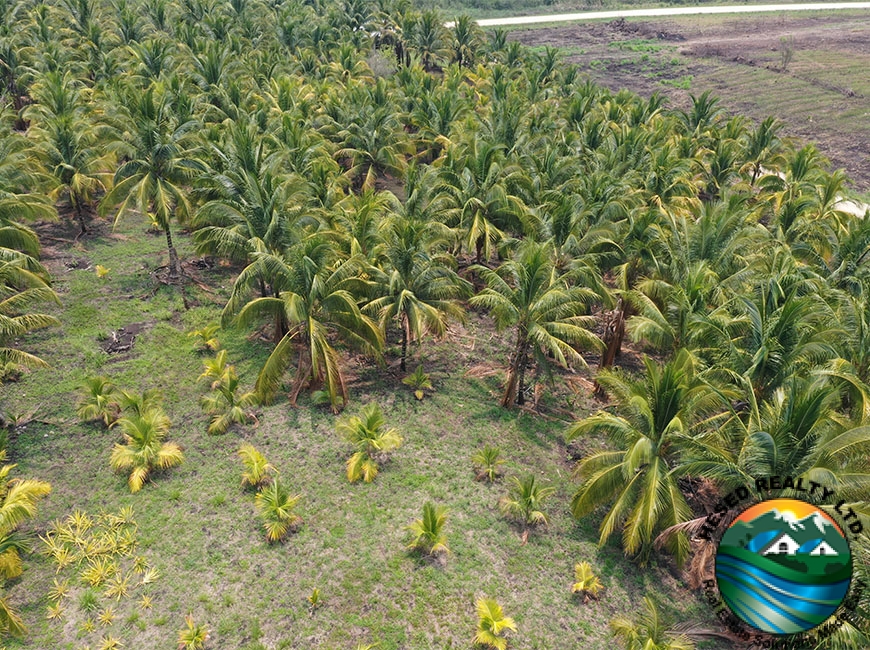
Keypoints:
pixel 482 370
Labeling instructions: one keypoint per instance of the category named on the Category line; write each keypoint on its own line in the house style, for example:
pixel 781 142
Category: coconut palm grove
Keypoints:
pixel 348 325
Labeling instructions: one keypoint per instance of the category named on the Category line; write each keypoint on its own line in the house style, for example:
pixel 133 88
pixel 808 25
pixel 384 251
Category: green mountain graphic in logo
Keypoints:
pixel 783 572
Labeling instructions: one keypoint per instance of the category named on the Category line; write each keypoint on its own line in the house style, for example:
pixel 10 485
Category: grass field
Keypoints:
pixel 199 528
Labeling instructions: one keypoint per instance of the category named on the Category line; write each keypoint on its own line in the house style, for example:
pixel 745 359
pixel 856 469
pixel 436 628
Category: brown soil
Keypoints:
pixel 739 59
pixel 123 339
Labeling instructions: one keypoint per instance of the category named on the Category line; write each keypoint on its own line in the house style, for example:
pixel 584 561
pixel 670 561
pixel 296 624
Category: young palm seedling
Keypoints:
pixel 110 642
pixel 487 463
pixel 140 403
pixel 225 406
pixel 215 369
pixel 523 502
pixel 205 339
pixel 276 506
pixel 587 583
pixel 258 471
pixel 314 601
pixel 419 381
pixel 491 625
pixel 192 636
pixel 144 449
pixel 371 440
pixel 429 537
pixel 100 401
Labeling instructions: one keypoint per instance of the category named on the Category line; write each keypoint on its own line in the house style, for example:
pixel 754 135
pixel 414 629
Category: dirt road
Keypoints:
pixel 667 12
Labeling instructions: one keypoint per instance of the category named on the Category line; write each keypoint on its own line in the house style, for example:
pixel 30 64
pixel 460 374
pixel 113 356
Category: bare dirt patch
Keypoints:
pixel 821 94
pixel 123 338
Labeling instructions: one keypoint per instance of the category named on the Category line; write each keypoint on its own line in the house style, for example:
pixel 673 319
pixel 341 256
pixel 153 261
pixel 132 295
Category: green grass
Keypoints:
pixel 684 82
pixel 200 528
pixel 640 45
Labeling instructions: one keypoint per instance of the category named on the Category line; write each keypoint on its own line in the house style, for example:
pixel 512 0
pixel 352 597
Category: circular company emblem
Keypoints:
pixel 783 566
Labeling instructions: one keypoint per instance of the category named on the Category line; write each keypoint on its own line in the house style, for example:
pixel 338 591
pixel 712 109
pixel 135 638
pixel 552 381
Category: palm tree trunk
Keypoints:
pixel 281 327
pixel 403 365
pixel 614 332
pixel 174 269
pixel 303 375
pixel 478 245
pixel 521 389
pixel 80 215
pixel 511 388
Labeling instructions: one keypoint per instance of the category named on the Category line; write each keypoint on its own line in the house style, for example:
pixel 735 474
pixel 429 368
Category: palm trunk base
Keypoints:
pixel 614 333
pixel 174 266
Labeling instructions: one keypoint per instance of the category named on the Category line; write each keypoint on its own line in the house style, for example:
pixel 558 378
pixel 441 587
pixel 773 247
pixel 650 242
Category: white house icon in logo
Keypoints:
pixel 784 545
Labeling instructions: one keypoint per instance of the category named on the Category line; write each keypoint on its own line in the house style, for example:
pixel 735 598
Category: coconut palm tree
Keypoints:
pixel 649 632
pixel 373 145
pixel 74 158
pixel 315 295
pixel 547 314
pixel 20 176
pixel 144 449
pixel 435 118
pixel 763 148
pixel 428 39
pixel 799 427
pixel 676 314
pixel 465 42
pixel 371 440
pixel 16 319
pixel 780 333
pixel 473 195
pixel 637 479
pixel 157 169
pixel 642 237
pixel 18 503
pixel 420 290
pixel 249 205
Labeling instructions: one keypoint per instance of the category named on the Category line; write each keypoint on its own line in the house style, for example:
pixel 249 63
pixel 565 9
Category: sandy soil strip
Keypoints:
pixel 669 11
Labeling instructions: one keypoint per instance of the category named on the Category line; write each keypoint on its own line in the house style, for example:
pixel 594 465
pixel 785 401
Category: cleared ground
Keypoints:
pixel 821 94
pixel 199 528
